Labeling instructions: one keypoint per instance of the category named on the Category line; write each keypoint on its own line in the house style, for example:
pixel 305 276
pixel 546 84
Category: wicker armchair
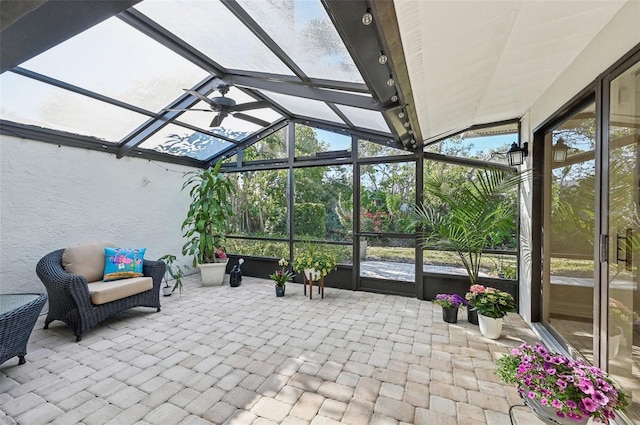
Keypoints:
pixel 69 299
pixel 18 316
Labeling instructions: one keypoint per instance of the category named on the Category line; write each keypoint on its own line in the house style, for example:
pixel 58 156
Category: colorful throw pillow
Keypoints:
pixel 122 263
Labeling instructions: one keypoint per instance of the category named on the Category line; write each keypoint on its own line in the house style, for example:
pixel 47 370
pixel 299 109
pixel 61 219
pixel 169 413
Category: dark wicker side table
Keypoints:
pixel 18 315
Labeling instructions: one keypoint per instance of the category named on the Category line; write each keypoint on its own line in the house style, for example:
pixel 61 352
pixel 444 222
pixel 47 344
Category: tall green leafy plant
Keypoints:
pixel 209 213
pixel 476 215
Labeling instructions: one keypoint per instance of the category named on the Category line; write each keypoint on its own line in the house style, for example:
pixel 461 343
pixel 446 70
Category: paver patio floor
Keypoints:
pixel 240 355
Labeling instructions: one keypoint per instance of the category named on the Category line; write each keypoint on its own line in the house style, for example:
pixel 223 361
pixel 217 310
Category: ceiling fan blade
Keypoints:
pixel 217 120
pixel 254 120
pixel 250 105
pixel 203 98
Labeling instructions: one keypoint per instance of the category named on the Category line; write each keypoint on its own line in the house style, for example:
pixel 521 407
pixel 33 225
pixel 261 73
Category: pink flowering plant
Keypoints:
pixel 574 388
pixel 449 300
pixel 491 302
pixel 474 291
pixel 282 276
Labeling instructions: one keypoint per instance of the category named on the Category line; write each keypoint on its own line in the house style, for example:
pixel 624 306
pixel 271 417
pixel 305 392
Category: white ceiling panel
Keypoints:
pixel 464 58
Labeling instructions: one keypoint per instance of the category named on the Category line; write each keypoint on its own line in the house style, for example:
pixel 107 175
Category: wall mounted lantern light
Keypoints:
pixel 560 151
pixel 517 154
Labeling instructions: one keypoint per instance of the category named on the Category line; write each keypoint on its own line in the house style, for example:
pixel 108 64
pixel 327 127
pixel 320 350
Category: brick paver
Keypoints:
pixel 240 355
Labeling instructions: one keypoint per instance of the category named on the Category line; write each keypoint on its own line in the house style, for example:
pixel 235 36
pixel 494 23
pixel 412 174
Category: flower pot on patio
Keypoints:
pixel 212 274
pixel 312 274
pixel 547 414
pixel 450 314
pixel 167 290
pixel 490 327
pixel 280 291
pixel 472 315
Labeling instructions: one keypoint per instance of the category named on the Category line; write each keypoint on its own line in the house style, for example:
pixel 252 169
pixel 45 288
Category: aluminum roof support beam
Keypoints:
pixel 323 95
pixel 150 127
pixel 62 138
pixel 365 44
pixel 253 26
pixel 320 83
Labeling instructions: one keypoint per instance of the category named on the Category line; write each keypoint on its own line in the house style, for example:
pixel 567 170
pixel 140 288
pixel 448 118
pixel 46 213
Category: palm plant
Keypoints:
pixel 479 214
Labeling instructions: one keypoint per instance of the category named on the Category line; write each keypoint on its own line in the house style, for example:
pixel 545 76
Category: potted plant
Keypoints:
pixel 478 215
pixel 314 261
pixel 492 305
pixel 450 304
pixel 175 272
pixel 472 311
pixel 558 389
pixel 281 277
pixel 207 221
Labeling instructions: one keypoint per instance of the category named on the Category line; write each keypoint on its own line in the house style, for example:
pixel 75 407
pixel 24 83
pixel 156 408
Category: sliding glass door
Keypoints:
pixel 568 284
pixel 623 304
pixel 591 229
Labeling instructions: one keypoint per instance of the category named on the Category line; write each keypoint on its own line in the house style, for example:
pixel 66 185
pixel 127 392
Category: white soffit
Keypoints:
pixel 477 62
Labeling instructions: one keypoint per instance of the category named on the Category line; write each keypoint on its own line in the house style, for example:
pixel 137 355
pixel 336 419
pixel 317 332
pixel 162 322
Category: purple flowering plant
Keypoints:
pixel 449 300
pixel 574 388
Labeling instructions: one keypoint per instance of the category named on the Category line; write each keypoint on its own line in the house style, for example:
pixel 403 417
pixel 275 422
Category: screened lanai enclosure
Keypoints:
pixel 332 119
pixel 320 141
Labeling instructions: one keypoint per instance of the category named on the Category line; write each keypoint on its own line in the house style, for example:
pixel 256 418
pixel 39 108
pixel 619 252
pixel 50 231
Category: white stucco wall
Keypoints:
pixel 52 197
pixel 616 39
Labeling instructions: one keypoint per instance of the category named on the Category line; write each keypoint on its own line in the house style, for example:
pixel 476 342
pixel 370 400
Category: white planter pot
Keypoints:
pixel 312 274
pixel 490 327
pixel 548 414
pixel 167 290
pixel 212 274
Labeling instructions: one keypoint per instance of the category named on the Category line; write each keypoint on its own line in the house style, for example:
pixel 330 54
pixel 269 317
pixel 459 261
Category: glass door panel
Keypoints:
pixel 568 274
pixel 624 233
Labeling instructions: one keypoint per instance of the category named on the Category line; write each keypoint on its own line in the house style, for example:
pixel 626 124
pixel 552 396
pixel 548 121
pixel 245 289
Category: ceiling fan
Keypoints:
pixel 225 105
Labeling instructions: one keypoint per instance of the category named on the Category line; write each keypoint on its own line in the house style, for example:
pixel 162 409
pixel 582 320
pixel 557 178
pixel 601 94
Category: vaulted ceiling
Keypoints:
pixel 124 76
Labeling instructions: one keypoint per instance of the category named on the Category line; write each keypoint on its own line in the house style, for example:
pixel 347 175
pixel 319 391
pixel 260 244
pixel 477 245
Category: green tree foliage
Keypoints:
pixel 479 214
pixel 387 191
pixel 310 220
